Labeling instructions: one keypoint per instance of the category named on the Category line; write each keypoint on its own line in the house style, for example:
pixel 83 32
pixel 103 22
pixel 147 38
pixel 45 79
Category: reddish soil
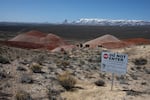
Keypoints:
pixel 125 43
pixel 26 45
pixel 138 41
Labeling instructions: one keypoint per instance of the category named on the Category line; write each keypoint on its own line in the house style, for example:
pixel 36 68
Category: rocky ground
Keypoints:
pixel 39 75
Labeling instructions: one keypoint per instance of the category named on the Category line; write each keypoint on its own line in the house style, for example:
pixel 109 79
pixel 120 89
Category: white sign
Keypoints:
pixel 114 62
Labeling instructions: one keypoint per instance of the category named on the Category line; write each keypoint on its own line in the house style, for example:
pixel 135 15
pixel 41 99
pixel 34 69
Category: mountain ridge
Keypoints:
pixel 109 22
pixel 84 21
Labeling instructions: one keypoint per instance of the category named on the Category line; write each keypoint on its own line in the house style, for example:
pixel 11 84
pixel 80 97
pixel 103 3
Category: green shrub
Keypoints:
pixel 67 81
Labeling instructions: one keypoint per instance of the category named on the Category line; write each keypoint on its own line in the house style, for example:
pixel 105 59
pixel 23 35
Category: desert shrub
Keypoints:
pixel 25 78
pixel 63 63
pixel 20 68
pixel 39 59
pixel 2 75
pixel 36 68
pixel 53 94
pixel 132 92
pixel 67 81
pixel 22 95
pixel 140 61
pixel 100 83
pixel 4 60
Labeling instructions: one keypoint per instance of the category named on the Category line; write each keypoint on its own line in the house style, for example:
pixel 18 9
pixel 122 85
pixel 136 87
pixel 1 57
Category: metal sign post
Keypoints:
pixel 115 63
pixel 112 83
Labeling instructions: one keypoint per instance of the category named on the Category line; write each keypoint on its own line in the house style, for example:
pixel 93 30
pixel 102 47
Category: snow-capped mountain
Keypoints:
pixel 109 22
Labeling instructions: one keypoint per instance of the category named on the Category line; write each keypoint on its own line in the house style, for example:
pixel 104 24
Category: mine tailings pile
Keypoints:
pixel 112 42
pixel 35 40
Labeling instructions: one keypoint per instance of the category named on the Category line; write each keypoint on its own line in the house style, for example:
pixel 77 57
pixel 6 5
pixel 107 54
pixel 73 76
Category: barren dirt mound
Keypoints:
pixel 36 39
pixel 52 39
pixel 100 40
pixel 111 42
pixel 25 38
pixel 31 36
pixel 36 33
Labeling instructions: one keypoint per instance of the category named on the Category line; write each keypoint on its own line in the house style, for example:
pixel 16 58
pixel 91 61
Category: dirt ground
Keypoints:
pixel 84 66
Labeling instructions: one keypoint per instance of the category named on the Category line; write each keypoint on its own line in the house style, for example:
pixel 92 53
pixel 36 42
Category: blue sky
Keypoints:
pixel 59 10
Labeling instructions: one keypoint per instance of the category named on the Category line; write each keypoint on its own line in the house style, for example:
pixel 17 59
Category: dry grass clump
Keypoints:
pixel 67 81
pixel 36 68
pixel 22 95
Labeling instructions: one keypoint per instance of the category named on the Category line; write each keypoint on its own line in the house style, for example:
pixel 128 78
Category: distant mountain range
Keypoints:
pixel 109 22
pixel 86 21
